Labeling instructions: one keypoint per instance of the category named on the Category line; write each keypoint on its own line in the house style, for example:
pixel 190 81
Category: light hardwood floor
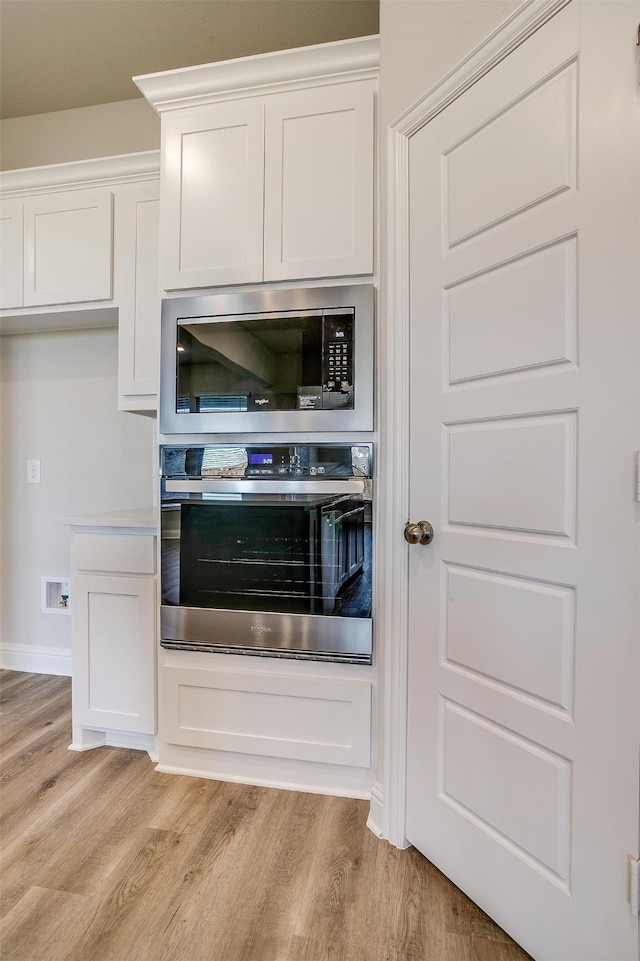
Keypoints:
pixel 103 859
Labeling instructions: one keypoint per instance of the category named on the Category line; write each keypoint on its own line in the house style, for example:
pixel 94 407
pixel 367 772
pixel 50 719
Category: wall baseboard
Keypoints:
pixel 35 659
pixel 332 790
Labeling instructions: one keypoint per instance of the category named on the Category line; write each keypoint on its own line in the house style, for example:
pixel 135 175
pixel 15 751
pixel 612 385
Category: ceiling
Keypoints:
pixel 61 54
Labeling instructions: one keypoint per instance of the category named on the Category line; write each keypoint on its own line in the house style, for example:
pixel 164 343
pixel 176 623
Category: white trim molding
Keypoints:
pixel 267 72
pixel 35 659
pixel 99 172
pixel 509 35
pixel 376 810
pixel 87 739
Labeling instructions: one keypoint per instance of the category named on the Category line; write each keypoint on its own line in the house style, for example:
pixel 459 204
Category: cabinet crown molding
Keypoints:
pixel 356 59
pixel 98 172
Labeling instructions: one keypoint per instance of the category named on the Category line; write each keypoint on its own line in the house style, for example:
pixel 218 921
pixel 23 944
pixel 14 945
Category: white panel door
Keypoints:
pixel 319 162
pixel 68 247
pixel 524 705
pixel 212 195
pixel 11 247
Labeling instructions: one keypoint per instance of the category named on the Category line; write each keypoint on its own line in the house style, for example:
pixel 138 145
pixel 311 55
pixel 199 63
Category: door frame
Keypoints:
pixel 389 798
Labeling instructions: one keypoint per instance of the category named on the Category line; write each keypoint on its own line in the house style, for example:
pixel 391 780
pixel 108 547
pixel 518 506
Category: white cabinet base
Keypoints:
pixel 113 628
pixel 86 739
pixel 291 725
pixel 281 773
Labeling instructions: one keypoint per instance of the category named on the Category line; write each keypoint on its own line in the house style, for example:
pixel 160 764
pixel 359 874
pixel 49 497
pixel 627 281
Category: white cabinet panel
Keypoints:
pixel 138 295
pixel 319 182
pixel 305 718
pixel 119 553
pixel 274 188
pixel 11 245
pixel 212 195
pixel 113 631
pixel 68 247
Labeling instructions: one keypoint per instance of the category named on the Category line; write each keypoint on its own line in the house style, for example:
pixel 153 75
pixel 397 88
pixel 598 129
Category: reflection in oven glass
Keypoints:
pixel 312 557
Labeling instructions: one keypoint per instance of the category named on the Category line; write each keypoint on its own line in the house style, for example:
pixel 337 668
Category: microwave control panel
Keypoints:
pixel 337 366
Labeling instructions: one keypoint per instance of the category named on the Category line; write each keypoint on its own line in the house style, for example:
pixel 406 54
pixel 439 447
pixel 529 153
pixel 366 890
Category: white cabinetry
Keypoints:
pixel 58 248
pixel 212 195
pixel 272 721
pixel 67 247
pixel 113 639
pixel 318 200
pixel 11 252
pixel 138 295
pixel 74 255
pixel 275 184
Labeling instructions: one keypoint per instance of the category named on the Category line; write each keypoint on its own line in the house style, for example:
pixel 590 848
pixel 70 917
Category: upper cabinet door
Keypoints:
pixel 212 195
pixel 319 151
pixel 11 239
pixel 68 247
pixel 137 292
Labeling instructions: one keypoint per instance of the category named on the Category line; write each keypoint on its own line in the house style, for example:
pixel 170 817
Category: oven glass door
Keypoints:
pixel 278 553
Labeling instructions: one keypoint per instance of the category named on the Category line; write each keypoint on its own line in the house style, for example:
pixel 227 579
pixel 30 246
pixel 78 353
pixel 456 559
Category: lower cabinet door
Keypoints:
pixel 113 652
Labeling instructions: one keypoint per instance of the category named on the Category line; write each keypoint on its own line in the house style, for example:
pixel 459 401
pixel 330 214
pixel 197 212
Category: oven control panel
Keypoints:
pixel 267 461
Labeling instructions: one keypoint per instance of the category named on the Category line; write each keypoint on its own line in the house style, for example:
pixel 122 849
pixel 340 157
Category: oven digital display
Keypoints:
pixel 260 458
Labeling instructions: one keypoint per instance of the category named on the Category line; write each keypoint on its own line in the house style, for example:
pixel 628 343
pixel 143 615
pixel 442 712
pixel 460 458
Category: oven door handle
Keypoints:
pixel 228 486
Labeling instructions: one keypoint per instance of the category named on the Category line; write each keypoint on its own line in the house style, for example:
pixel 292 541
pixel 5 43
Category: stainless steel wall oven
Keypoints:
pixel 284 360
pixel 266 549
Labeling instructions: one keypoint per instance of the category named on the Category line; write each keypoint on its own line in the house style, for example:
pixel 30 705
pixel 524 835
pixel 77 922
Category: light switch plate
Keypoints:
pixel 33 472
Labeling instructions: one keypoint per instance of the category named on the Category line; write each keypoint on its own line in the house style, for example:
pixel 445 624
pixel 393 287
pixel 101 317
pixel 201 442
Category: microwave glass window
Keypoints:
pixel 264 364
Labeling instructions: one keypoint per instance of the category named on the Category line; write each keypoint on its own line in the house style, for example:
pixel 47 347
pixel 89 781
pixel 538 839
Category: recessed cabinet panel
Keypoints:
pixel 118 553
pixel 11 240
pixel 213 163
pixel 319 182
pixel 113 652
pixel 138 293
pixel 68 247
pixel 305 718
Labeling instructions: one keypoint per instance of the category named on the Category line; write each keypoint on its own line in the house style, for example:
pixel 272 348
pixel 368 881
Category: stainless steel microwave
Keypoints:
pixel 268 360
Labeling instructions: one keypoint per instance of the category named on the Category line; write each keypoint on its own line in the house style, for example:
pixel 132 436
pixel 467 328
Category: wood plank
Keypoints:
pixel 16 735
pixel 92 829
pixel 45 770
pixel 108 860
pixel 41 925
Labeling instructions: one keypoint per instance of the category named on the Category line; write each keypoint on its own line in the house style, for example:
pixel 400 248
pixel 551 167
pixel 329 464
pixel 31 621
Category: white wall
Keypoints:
pixel 106 130
pixel 59 405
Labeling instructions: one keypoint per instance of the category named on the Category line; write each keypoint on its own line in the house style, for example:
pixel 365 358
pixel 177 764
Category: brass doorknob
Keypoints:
pixel 420 533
